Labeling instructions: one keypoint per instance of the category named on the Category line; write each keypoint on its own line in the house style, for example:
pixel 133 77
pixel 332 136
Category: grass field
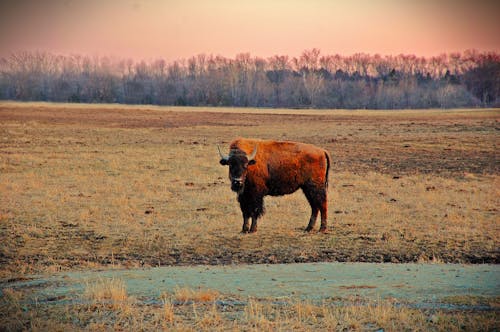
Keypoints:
pixel 101 186
pixel 91 185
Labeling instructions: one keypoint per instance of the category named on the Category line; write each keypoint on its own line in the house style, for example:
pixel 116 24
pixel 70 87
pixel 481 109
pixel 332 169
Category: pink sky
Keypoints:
pixel 173 29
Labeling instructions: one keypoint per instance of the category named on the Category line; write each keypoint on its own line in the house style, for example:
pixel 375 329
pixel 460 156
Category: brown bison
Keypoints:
pixel 258 168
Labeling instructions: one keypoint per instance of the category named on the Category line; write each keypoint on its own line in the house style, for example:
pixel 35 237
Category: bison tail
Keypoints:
pixel 327 155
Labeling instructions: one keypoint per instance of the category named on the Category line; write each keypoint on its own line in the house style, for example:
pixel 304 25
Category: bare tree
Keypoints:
pixel 310 80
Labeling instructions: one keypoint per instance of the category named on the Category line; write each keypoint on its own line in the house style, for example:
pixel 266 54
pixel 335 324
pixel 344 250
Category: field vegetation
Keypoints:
pixel 109 186
pixel 88 186
pixel 105 306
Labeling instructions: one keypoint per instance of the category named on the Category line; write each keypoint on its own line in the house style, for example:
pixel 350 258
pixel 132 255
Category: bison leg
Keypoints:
pixel 244 229
pixel 253 228
pixel 324 212
pixel 251 206
pixel 317 199
pixel 312 220
pixel 257 211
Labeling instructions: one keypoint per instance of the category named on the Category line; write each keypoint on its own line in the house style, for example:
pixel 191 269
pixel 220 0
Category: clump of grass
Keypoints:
pixel 168 313
pixel 423 259
pixel 185 294
pixel 210 319
pixel 109 291
pixel 11 309
pixel 257 315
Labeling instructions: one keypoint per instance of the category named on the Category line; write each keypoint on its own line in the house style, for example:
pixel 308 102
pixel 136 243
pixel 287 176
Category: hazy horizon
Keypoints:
pixel 175 30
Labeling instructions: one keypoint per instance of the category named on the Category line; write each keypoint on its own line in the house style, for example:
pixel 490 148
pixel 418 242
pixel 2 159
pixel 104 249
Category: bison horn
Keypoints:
pixel 252 155
pixel 221 155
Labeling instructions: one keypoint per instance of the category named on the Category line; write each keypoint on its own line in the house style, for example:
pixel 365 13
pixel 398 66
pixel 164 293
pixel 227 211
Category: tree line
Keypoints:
pixel 312 80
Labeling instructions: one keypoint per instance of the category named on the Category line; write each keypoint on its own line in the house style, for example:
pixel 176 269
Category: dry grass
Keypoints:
pixel 437 112
pixel 168 312
pixel 131 187
pixel 19 312
pixel 123 186
pixel 111 292
pixel 185 295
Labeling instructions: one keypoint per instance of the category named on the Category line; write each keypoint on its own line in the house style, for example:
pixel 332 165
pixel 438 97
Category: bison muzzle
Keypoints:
pixel 258 168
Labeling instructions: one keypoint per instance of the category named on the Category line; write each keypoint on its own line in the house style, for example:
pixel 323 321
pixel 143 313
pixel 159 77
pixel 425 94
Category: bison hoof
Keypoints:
pixel 308 229
pixel 323 230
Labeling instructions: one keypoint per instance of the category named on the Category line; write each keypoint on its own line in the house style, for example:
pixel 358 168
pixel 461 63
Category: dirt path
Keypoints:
pixel 422 285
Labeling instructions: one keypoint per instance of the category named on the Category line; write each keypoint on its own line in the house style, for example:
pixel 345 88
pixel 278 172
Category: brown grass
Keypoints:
pixel 18 311
pixel 112 292
pixel 86 186
pixel 185 295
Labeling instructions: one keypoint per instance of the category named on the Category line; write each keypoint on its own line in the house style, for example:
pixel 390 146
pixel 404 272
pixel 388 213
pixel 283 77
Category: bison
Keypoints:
pixel 258 168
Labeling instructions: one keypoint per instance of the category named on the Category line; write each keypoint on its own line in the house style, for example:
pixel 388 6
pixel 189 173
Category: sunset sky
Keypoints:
pixel 173 29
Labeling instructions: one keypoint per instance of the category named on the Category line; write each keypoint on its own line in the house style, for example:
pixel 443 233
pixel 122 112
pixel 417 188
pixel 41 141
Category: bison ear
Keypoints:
pixel 223 162
pixel 251 162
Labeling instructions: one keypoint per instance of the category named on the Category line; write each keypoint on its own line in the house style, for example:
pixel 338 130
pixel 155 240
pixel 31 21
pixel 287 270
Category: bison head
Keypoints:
pixel 238 162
